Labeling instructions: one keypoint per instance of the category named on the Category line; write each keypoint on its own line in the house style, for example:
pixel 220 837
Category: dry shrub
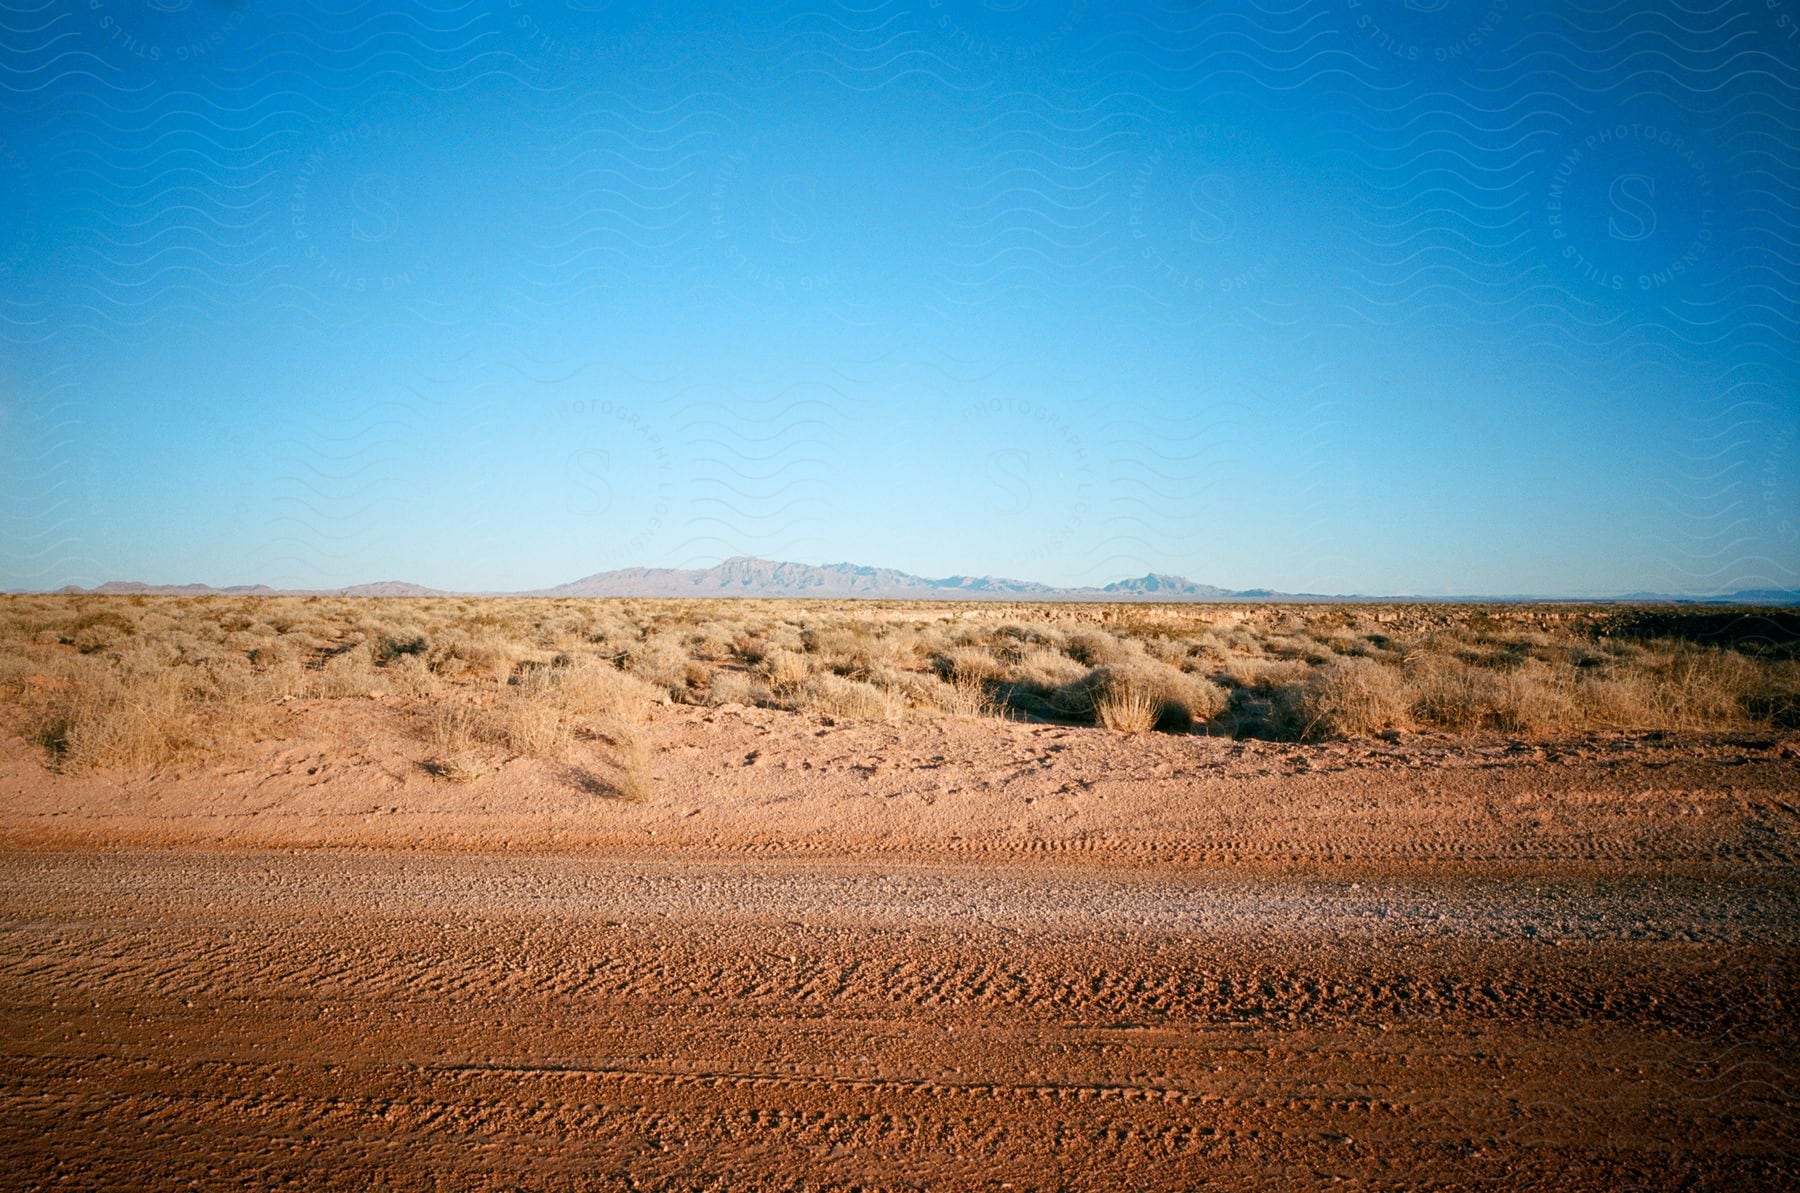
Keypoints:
pixel 135 682
pixel 735 687
pixel 1097 648
pixel 1201 697
pixel 100 630
pixel 1352 696
pixel 546 709
pixel 1128 709
pixel 664 663
pixel 967 664
pixel 1681 688
pixel 709 640
pixel 597 690
pixel 275 673
pixel 847 650
pixel 1300 647
pixel 1267 673
pixel 748 647
pixel 452 730
pixel 1042 671
pixel 956 697
pixel 459 654
pixel 1173 651
pixel 1349 645
pixel 785 671
pixel 1176 698
pixel 388 645
pixel 100 717
pixel 784 635
pixel 346 673
pixel 411 676
pixel 530 720
pixel 1535 699
pixel 837 696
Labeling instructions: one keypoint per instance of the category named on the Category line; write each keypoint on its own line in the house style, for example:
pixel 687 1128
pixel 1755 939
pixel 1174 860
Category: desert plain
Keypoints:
pixel 565 894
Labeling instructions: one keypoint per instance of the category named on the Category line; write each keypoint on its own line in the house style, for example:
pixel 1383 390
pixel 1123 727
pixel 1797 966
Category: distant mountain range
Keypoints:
pixel 381 588
pixel 748 576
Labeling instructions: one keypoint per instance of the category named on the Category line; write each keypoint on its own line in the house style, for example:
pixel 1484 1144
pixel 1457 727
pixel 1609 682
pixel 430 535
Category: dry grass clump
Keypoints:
pixel 276 672
pixel 1297 647
pixel 710 641
pixel 749 648
pixel 663 662
pixel 558 714
pixel 452 731
pixel 785 670
pixel 1139 695
pixel 1353 696
pixel 1042 671
pixel 1260 671
pixel 1341 642
pixel 387 645
pixel 1097 648
pixel 613 706
pixel 1691 688
pixel 532 719
pixel 839 648
pixel 1173 651
pixel 98 630
pixel 350 671
pixel 736 687
pixel 837 696
pixel 1450 694
pixel 968 664
pixel 1129 709
pixel 632 780
pixel 547 709
pixel 100 718
pixel 462 654
pixel 960 695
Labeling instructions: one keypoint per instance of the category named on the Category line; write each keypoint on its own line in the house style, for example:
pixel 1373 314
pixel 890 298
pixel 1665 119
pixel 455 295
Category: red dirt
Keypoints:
pixel 962 954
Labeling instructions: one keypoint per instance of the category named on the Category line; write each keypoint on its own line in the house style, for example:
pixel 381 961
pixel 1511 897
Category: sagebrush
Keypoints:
pixel 139 682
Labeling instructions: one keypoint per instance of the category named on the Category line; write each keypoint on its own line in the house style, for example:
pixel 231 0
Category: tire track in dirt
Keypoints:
pixel 359 1020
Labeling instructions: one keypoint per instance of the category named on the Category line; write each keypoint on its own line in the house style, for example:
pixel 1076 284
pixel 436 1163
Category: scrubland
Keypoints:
pixel 136 683
pixel 755 894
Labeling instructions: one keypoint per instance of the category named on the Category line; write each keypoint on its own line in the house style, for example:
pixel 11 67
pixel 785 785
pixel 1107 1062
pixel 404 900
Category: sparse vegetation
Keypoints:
pixel 137 684
pixel 1351 697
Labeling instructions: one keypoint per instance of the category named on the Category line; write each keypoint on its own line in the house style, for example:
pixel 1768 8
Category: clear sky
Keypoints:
pixel 1382 296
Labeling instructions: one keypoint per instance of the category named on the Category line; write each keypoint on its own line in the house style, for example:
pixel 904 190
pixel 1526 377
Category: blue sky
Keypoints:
pixel 1382 297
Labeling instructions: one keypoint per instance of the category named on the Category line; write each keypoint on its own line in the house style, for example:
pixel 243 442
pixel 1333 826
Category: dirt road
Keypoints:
pixel 965 954
pixel 372 1020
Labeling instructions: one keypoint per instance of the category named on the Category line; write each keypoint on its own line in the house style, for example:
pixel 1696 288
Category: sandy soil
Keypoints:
pixel 955 955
